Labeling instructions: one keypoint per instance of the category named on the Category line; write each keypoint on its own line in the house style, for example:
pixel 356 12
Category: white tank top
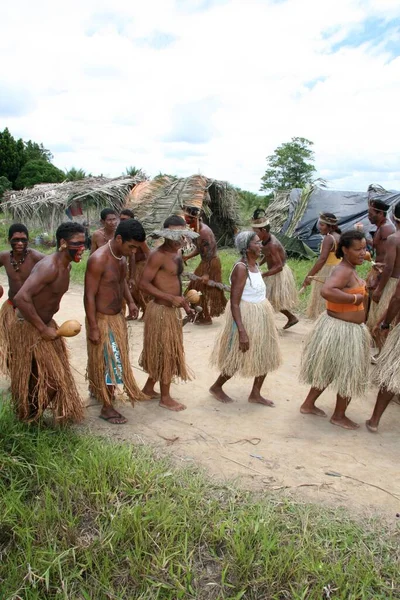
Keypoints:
pixel 254 288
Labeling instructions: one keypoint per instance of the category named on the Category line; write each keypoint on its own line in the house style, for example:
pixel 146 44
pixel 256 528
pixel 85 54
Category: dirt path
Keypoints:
pixel 265 448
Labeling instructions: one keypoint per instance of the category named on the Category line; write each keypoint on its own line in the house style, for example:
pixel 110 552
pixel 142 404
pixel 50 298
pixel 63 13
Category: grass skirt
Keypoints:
pixel 337 353
pixel 141 300
pixel 98 367
pixel 316 303
pixel 7 318
pixel 37 368
pixel 213 301
pixel 163 355
pixel 377 309
pixel 281 290
pixel 263 355
pixel 387 374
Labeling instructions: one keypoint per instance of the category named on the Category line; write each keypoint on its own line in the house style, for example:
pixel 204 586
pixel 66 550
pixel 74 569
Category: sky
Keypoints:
pixel 206 86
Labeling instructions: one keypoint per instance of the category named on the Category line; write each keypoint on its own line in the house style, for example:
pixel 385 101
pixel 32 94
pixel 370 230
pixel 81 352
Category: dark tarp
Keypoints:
pixel 349 207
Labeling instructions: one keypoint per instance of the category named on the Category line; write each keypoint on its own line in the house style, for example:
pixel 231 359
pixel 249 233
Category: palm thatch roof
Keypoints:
pixel 153 201
pixel 46 203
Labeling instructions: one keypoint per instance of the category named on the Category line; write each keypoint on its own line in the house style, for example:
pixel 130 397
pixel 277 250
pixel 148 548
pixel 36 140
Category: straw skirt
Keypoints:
pixel 377 309
pixel 163 355
pixel 316 303
pixel 263 355
pixel 387 374
pixel 7 318
pixel 337 353
pixel 212 301
pixel 41 376
pixel 281 290
pixel 108 362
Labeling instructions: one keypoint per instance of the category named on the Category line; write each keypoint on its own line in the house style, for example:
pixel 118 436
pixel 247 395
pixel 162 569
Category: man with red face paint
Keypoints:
pixel 41 377
pixel 18 264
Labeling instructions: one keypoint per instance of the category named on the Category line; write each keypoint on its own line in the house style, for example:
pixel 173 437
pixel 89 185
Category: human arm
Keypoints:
pixel 133 309
pixel 323 257
pixel 192 254
pixel 153 265
pixel 276 260
pixel 389 261
pixel 94 271
pixel 131 271
pixel 39 278
pixel 238 281
pixel 94 244
pixel 332 290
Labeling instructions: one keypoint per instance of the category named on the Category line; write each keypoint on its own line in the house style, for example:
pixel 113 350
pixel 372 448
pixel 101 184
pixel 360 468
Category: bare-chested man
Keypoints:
pixel 213 301
pixel 163 356
pixel 107 336
pixel 18 265
pixel 380 294
pixel 109 222
pixel 41 377
pixel 136 264
pixel 281 286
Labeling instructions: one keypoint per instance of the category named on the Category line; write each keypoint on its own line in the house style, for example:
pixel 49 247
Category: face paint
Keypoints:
pixel 18 241
pixel 75 250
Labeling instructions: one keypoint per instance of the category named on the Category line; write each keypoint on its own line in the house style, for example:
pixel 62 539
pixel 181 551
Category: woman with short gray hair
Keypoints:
pixel 248 345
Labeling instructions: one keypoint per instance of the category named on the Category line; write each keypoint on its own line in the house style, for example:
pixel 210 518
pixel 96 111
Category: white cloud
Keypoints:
pixel 206 85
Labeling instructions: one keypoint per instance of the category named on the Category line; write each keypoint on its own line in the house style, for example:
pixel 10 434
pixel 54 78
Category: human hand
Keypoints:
pixel 205 278
pixel 49 334
pixel 94 335
pixel 376 296
pixel 307 281
pixel 131 284
pixel 359 299
pixel 244 343
pixel 179 301
pixel 133 311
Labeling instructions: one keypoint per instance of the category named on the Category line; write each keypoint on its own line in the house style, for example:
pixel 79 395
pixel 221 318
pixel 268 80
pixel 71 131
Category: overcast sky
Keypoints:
pixel 206 86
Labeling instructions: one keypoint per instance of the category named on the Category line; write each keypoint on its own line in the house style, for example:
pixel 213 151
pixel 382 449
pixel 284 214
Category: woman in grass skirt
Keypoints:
pixel 248 345
pixel 337 352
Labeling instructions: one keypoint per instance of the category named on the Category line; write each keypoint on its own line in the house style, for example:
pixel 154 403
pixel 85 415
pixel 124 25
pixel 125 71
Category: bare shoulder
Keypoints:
pixel 46 268
pixel 387 229
pixel 97 259
pixel 36 255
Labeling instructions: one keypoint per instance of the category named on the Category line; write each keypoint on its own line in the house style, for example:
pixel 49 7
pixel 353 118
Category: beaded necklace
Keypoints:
pixel 17 263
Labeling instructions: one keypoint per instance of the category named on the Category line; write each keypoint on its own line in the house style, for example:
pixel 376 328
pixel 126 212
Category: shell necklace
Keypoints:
pixel 117 257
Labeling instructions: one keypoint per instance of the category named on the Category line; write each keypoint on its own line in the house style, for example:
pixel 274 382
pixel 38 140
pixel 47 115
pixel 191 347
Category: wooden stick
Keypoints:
pixel 210 282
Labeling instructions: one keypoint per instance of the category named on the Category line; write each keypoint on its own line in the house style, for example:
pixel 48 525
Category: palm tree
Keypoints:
pixel 75 174
pixel 135 172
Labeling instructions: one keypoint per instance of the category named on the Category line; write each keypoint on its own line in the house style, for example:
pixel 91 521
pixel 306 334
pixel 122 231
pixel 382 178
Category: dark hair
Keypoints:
pixel 396 211
pixel 192 211
pixel 17 228
pixel 346 239
pixel 175 221
pixel 259 213
pixel 331 217
pixel 379 205
pixel 128 213
pixel 67 230
pixel 129 230
pixel 107 211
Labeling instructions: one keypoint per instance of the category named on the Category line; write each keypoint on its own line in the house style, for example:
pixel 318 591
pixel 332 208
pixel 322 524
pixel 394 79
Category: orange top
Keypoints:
pixel 342 308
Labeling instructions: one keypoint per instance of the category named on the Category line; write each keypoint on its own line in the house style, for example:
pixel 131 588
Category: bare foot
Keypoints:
pixel 370 427
pixel 260 400
pixel 312 410
pixel 151 393
pixel 171 404
pixel 344 422
pixel 220 395
pixel 291 323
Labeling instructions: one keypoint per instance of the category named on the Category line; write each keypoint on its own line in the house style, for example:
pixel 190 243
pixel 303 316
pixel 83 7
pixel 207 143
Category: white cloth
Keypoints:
pixel 254 288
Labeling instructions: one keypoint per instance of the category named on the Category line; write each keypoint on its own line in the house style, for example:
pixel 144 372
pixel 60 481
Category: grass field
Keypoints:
pixel 86 519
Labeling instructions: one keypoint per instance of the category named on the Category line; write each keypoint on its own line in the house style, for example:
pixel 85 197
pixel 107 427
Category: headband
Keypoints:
pixel 327 220
pixel 175 234
pixel 263 222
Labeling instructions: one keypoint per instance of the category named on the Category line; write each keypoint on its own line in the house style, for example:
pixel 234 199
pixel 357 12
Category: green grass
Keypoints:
pixel 85 519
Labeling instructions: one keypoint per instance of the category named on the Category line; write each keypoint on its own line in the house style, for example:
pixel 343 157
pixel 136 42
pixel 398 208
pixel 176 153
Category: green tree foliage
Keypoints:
pixel 162 175
pixel 290 166
pixel 11 156
pixel 5 185
pixel 248 202
pixel 136 172
pixel 38 171
pixel 34 151
pixel 75 174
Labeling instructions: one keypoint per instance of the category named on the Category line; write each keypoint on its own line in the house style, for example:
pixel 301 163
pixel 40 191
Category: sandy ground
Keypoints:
pixel 275 449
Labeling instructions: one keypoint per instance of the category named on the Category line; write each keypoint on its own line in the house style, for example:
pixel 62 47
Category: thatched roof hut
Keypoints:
pixel 46 205
pixel 153 201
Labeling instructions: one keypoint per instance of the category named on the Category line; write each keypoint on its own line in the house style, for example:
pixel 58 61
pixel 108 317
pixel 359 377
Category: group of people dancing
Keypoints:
pixel 124 275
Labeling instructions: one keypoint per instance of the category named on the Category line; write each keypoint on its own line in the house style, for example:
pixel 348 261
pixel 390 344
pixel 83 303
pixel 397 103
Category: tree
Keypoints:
pixel 249 201
pixel 290 166
pixel 75 174
pixel 5 185
pixel 135 172
pixel 34 151
pixel 38 171
pixel 11 156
